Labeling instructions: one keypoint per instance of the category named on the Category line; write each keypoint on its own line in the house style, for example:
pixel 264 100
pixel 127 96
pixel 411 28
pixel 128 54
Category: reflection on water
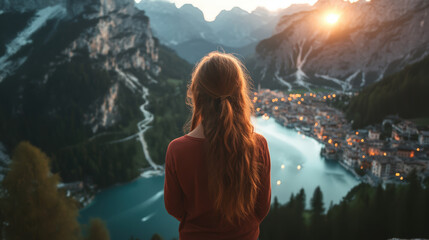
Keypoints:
pixel 296 163
pixel 137 208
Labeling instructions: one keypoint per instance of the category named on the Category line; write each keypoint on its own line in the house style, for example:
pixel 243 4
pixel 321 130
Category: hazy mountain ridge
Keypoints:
pixel 75 81
pixel 370 40
pixel 176 25
pixel 231 30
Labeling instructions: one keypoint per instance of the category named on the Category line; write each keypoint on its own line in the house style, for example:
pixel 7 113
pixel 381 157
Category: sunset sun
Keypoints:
pixel 332 18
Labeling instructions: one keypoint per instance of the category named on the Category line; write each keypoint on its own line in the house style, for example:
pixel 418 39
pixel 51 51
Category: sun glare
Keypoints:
pixel 332 18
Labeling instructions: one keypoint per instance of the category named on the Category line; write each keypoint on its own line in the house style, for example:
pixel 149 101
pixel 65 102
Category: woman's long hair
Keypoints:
pixel 219 97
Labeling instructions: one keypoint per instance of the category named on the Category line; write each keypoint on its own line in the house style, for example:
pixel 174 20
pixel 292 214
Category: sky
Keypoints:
pixel 211 8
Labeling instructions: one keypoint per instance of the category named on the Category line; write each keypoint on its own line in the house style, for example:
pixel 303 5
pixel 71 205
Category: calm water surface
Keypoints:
pixel 137 208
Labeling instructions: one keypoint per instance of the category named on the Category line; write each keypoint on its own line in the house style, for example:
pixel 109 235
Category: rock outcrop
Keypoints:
pixel 371 39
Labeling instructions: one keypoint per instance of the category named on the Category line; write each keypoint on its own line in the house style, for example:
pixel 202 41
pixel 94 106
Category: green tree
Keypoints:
pixel 32 206
pixel 97 230
pixel 317 215
pixel 156 237
pixel 317 205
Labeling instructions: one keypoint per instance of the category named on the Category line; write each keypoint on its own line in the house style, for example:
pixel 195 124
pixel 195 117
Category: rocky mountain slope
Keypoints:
pixel 371 39
pixel 79 79
pixel 404 93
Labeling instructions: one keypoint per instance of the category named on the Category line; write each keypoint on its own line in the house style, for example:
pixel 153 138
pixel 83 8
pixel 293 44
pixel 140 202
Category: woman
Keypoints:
pixel 217 177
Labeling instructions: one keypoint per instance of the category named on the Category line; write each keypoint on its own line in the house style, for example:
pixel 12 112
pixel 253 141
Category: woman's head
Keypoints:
pixel 219 97
pixel 218 77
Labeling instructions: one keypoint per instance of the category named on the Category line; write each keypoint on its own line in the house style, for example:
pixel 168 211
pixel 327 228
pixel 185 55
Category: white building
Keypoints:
pixel 373 134
pixel 424 138
pixel 380 169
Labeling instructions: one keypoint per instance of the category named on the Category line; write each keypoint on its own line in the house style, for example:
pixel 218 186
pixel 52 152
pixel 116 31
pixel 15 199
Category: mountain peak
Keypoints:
pixel 238 10
pixel 192 10
pixel 261 11
pixel 229 13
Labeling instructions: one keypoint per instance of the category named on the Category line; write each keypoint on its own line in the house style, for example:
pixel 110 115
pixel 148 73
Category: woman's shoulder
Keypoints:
pixel 260 138
pixel 185 141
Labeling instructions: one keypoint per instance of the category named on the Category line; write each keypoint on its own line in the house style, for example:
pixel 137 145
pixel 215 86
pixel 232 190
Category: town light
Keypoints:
pixel 265 117
pixel 298 167
pixel 283 166
pixel 397 174
pixel 402 178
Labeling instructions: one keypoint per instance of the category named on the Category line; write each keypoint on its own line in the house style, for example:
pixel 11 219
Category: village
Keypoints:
pixel 382 153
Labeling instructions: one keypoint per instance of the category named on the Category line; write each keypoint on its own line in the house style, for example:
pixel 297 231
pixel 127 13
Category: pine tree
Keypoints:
pixel 32 206
pixel 156 237
pixel 299 215
pixel 317 205
pixel 317 215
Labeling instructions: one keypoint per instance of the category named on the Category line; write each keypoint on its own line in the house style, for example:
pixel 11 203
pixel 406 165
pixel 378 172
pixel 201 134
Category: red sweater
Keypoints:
pixel 186 195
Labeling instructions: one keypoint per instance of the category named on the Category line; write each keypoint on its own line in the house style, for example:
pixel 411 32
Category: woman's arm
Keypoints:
pixel 173 194
pixel 264 195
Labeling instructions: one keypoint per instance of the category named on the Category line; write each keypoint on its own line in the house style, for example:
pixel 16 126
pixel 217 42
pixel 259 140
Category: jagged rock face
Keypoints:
pixel 104 113
pixel 369 41
pixel 119 36
pixel 121 40
pixel 107 42
pixel 76 79
pixel 113 34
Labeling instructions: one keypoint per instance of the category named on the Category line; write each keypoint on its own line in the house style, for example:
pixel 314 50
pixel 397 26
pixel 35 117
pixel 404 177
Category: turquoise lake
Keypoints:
pixel 137 208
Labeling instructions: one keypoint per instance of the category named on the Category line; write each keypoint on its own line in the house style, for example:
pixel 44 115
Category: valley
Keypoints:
pixel 339 88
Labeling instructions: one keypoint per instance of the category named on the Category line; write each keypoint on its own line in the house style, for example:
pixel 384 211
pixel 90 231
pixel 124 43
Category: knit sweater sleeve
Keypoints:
pixel 173 194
